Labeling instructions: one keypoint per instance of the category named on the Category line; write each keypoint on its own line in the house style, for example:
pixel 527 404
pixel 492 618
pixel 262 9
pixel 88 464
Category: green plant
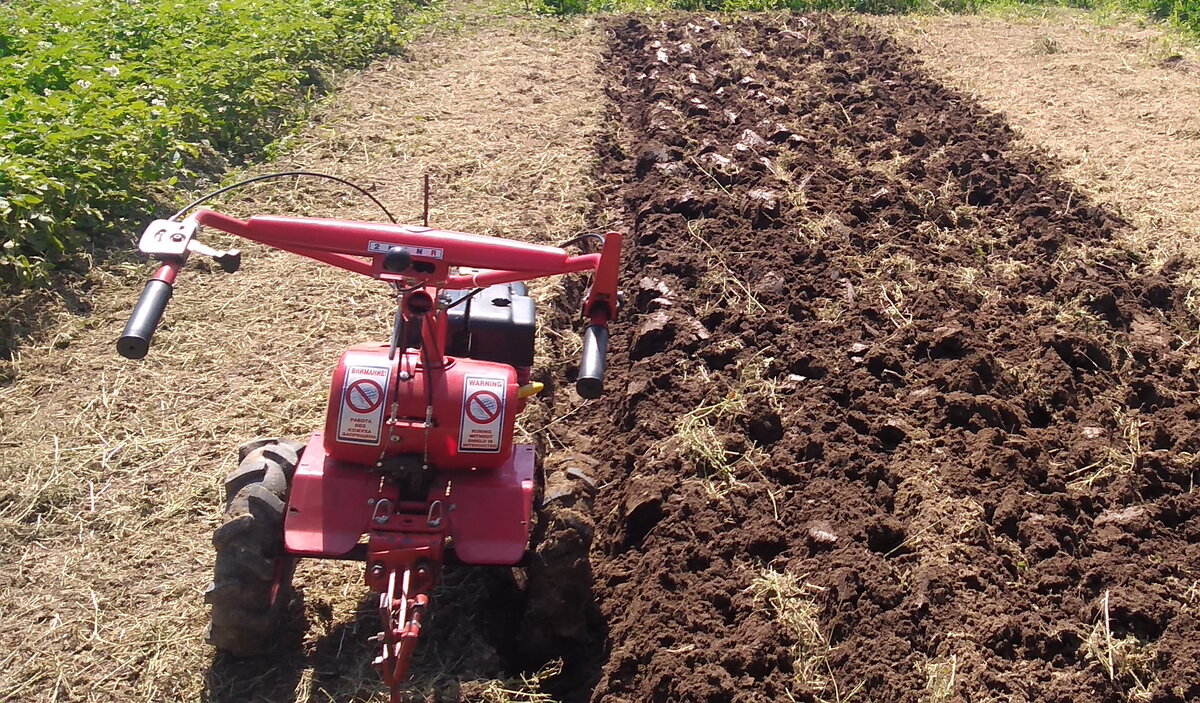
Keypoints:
pixel 101 102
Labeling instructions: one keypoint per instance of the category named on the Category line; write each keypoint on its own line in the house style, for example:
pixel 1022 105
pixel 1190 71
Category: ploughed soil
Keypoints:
pixel 890 416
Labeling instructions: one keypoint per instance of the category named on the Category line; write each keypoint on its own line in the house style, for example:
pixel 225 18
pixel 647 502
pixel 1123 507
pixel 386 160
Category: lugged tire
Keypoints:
pixel 249 546
pixel 561 616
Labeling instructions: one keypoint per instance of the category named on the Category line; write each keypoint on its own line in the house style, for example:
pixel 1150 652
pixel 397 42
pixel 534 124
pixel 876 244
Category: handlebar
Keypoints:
pixel 432 258
pixel 143 321
pixel 590 383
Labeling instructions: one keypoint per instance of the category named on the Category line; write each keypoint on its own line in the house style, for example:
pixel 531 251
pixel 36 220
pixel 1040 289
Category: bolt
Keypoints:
pixel 370 501
pixel 377 570
pixel 395 438
pixel 177 237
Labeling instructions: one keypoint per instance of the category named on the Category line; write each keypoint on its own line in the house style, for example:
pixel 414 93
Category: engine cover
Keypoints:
pixel 378 409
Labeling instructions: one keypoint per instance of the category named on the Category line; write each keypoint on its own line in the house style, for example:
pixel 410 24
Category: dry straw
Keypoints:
pixel 110 470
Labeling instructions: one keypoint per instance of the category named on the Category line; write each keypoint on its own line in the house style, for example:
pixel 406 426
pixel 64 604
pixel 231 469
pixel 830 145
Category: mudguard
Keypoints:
pixel 332 503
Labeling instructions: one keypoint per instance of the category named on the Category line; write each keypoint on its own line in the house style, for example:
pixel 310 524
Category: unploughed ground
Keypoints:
pixel 890 418
pixel 1117 103
pixel 110 482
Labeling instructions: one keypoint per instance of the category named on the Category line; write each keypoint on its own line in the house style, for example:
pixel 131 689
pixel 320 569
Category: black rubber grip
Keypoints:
pixel 135 341
pixel 590 383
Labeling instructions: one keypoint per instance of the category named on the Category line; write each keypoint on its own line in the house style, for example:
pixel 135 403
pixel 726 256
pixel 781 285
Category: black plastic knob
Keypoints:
pixel 397 260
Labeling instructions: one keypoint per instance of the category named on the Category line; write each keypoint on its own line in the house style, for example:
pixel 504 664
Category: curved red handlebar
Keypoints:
pixel 363 247
pixel 360 247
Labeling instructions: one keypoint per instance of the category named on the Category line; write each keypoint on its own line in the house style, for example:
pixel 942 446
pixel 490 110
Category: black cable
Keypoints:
pixel 580 238
pixel 283 174
pixel 468 296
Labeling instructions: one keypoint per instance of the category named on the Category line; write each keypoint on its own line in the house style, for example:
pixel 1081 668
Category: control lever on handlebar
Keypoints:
pixel 590 383
pixel 170 242
pixel 230 261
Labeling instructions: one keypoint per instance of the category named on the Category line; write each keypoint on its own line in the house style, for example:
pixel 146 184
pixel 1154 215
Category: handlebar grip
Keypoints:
pixel 590 383
pixel 143 321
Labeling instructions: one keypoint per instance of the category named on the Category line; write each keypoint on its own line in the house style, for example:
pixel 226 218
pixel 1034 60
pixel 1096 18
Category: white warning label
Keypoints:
pixel 360 420
pixel 375 247
pixel 482 414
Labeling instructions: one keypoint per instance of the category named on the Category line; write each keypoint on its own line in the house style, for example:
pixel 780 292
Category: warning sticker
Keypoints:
pixel 360 419
pixel 482 414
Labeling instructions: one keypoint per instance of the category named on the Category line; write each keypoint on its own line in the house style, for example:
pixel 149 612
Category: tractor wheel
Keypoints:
pixel 561 615
pixel 246 607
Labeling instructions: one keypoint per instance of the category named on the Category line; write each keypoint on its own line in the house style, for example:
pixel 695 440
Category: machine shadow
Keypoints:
pixel 274 676
pixel 484 624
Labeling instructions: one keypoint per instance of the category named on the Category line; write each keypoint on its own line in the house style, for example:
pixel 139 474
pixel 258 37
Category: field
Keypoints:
pixel 901 406
pixel 895 404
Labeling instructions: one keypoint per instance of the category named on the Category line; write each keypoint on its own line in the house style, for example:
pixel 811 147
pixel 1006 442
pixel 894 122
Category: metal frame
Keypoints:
pixel 333 504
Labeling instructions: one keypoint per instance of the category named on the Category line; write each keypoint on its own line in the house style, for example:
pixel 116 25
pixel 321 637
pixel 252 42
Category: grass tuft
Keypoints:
pixel 1126 661
pixel 794 605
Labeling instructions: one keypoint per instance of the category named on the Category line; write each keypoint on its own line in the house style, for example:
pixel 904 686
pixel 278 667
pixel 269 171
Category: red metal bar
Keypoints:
pixel 601 304
pixel 491 277
pixel 402 567
pixel 167 272
pixel 358 246
pixel 355 238
pixel 341 261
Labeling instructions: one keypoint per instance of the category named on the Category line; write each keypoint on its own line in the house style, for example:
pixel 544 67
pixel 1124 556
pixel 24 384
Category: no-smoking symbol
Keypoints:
pixel 483 407
pixel 364 395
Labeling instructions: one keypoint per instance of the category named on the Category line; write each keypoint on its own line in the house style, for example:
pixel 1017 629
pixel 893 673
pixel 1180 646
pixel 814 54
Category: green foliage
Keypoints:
pixel 102 99
pixel 1183 13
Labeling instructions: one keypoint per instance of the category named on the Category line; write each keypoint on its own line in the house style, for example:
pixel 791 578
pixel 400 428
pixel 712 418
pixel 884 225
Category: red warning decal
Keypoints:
pixel 364 395
pixel 483 407
pixel 482 414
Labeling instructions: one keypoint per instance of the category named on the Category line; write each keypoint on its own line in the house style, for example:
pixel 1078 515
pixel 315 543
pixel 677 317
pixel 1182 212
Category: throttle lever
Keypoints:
pixel 230 261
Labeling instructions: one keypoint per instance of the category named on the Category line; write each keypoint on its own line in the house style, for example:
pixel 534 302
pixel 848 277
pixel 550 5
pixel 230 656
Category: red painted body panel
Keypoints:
pixel 327 508
pixel 487 512
pixel 490 510
pixel 404 407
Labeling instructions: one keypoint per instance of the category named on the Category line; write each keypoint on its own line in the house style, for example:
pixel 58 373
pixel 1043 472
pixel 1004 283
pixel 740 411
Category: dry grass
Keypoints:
pixel 1119 103
pixel 1121 458
pixel 1126 661
pixel 794 605
pixel 524 689
pixel 721 285
pixel 940 676
pixel 110 470
pixel 702 433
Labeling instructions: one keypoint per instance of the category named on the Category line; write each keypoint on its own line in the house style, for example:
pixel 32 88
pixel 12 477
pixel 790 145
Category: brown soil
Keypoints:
pixel 890 416
pixel 1118 102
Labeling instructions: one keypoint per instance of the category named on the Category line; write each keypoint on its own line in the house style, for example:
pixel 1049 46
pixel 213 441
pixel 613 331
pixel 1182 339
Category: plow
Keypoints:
pixel 416 462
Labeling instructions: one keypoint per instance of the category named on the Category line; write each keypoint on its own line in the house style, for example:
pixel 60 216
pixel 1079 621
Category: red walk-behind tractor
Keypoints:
pixel 416 459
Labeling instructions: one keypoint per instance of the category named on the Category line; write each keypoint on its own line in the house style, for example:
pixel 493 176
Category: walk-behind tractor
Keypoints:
pixel 416 461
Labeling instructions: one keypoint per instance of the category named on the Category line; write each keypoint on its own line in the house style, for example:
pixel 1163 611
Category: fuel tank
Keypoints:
pixel 453 415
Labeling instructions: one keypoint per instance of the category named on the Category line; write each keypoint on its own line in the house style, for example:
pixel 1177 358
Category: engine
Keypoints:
pixel 458 412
